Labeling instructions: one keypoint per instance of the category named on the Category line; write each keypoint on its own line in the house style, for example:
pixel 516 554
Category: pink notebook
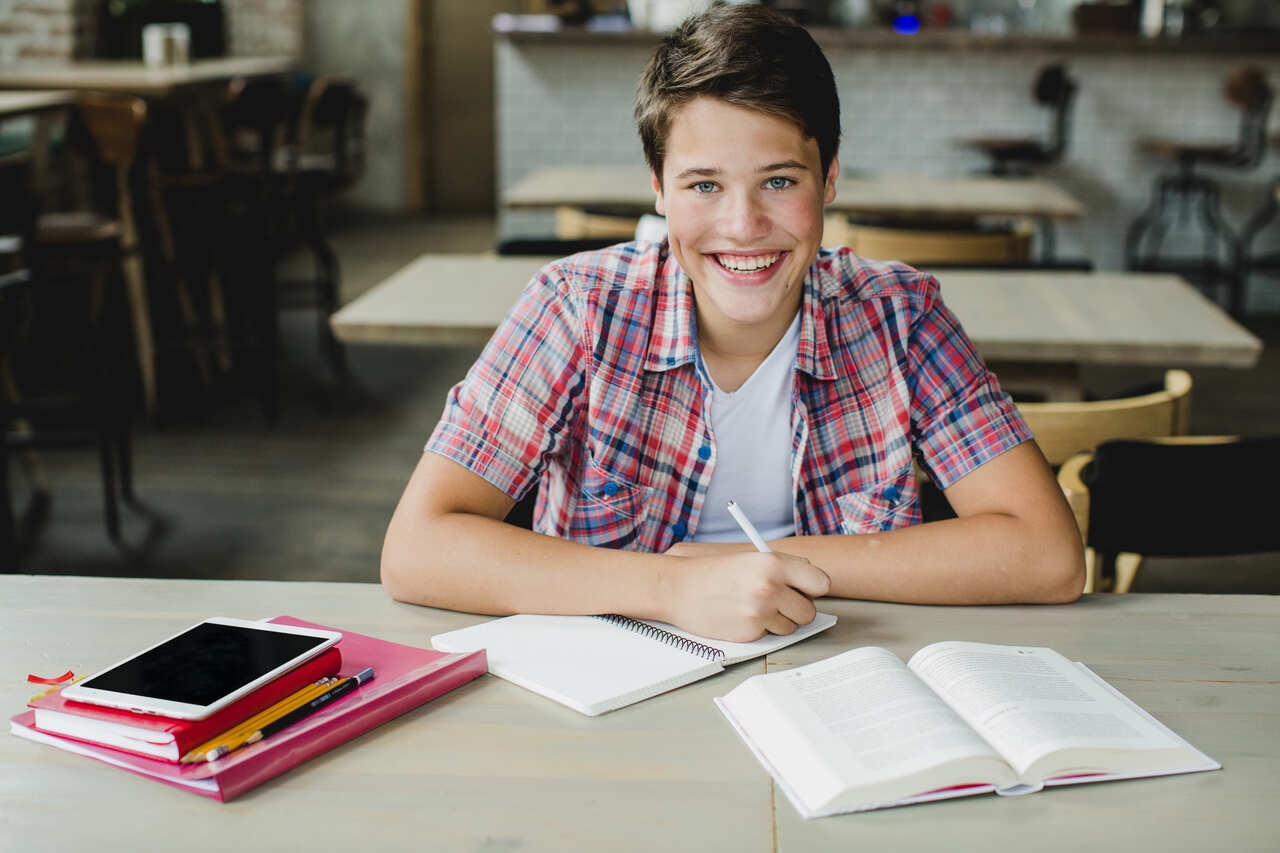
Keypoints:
pixel 404 678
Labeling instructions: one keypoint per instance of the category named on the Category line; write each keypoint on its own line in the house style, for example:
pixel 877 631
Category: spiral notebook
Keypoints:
pixel 595 664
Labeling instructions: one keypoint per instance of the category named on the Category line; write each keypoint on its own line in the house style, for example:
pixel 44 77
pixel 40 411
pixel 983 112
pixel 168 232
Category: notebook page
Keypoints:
pixel 580 661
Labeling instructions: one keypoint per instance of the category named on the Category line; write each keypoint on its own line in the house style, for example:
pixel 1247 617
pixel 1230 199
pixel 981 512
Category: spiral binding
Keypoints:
pixel 693 647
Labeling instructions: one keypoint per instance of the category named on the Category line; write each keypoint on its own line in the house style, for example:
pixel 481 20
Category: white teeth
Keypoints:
pixel 751 264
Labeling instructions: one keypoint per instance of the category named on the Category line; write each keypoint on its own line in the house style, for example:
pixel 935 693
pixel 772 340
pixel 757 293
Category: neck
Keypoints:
pixel 733 351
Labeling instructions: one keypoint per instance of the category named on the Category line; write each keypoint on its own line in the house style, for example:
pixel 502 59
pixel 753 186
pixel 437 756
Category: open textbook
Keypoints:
pixel 861 730
pixel 595 664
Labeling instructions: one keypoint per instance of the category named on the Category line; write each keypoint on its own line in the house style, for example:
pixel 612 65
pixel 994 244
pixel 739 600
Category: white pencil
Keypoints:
pixel 748 528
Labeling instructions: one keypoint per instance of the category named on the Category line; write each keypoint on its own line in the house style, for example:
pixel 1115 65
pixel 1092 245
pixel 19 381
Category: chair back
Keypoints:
pixel 255 117
pixel 1183 498
pixel 18 210
pixel 1065 429
pixel 333 120
pixel 940 246
pixel 1054 88
pixel 115 122
pixel 1247 88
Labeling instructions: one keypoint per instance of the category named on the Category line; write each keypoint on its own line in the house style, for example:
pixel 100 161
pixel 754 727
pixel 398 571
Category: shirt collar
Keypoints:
pixel 673 337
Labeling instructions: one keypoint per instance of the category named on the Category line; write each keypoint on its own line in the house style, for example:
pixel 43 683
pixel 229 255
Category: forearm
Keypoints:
pixel 462 561
pixel 979 559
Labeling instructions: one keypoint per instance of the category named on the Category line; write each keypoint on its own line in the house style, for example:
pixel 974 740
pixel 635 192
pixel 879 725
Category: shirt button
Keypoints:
pixel 671 359
pixel 704 452
pixel 680 528
pixel 610 489
pixel 892 494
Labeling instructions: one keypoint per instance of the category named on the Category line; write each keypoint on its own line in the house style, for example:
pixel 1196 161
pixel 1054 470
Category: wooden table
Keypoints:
pixel 136 78
pixel 906 196
pixel 28 102
pixel 1011 315
pixel 492 766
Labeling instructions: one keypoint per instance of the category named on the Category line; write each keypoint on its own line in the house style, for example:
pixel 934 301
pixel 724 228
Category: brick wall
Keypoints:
pixel 45 30
pixel 570 104
pixel 265 27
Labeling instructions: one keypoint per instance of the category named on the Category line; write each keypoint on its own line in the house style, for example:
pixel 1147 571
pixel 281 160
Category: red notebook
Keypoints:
pixel 165 737
pixel 404 678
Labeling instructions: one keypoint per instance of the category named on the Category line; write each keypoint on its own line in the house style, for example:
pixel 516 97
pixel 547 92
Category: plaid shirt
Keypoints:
pixel 592 388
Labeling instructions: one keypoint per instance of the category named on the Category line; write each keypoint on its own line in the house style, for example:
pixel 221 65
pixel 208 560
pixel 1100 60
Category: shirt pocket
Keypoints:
pixel 611 510
pixel 886 504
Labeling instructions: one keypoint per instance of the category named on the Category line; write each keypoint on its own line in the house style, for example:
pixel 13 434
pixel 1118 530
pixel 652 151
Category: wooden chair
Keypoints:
pixel 325 157
pixel 575 223
pixel 1188 496
pixel 1065 429
pixel 61 361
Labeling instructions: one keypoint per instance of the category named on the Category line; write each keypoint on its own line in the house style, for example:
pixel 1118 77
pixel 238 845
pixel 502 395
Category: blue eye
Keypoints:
pixel 778 183
pixel 704 187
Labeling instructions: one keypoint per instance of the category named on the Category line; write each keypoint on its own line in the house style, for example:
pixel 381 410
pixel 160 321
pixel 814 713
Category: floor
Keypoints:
pixel 226 496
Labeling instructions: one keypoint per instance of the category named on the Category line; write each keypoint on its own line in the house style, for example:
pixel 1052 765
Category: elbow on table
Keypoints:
pixel 1062 573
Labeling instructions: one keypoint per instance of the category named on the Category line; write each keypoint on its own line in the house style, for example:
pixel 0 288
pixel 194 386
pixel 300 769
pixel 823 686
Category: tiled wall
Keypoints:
pixel 43 30
pixel 561 104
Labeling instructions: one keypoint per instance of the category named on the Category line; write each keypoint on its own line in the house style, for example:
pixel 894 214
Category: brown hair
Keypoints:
pixel 748 56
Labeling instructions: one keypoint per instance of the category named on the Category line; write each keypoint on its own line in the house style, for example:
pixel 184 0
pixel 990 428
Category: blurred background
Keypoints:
pixel 194 188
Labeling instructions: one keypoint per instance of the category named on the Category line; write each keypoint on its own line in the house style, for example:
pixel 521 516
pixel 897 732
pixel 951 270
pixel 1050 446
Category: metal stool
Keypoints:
pixel 1178 194
pixel 1264 263
pixel 1054 89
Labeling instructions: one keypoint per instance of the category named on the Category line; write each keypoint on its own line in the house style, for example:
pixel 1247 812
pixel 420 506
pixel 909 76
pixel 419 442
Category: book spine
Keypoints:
pixel 653 632
pixel 408 694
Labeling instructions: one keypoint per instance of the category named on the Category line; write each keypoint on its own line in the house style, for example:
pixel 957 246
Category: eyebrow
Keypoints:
pixel 708 172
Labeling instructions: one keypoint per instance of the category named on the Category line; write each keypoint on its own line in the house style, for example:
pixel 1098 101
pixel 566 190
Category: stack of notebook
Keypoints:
pixel 155 746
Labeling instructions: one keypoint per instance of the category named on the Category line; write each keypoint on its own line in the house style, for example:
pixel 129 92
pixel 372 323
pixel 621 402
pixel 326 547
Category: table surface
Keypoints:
pixel 492 766
pixel 1011 315
pixel 134 77
pixel 21 102
pixel 627 188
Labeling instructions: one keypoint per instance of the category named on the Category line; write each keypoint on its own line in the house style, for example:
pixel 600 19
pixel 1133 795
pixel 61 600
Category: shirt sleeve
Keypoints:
pixel 960 417
pixel 516 406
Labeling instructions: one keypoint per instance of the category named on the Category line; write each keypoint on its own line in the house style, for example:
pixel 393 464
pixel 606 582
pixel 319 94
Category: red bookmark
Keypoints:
pixel 35 679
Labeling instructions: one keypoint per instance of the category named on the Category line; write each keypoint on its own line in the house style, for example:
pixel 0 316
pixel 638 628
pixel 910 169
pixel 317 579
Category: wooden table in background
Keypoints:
pixel 1034 327
pixel 626 189
pixel 493 766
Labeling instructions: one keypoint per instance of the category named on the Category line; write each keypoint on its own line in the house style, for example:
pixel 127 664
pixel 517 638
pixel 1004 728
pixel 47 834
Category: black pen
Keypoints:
pixel 342 688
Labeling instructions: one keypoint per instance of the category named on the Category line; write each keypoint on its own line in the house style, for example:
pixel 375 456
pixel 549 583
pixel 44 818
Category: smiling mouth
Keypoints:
pixel 745 264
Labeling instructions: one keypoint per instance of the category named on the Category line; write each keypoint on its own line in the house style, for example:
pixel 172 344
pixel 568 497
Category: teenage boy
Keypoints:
pixel 643 386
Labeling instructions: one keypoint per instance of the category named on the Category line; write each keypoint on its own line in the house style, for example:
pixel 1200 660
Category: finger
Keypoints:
pixel 796 607
pixel 779 624
pixel 804 576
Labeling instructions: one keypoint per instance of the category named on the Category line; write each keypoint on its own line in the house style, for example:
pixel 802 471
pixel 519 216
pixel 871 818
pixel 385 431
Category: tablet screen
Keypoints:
pixel 204 664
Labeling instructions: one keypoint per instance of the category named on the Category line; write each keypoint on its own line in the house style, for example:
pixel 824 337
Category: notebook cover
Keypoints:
pixel 189 733
pixel 404 678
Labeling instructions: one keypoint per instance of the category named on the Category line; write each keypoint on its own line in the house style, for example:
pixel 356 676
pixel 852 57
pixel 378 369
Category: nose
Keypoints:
pixel 744 218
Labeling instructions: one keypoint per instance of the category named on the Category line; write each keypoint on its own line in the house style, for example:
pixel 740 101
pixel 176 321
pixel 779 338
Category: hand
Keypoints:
pixel 740 596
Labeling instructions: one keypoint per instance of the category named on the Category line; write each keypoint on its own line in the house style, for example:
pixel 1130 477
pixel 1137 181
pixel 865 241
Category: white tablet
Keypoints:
pixel 202 669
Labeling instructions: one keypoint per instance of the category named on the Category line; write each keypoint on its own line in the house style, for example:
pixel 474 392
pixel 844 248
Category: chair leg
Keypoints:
pixel 106 454
pixel 8 528
pixel 1127 566
pixel 1091 580
pixel 1260 220
pixel 1229 273
pixel 1153 215
pixel 327 278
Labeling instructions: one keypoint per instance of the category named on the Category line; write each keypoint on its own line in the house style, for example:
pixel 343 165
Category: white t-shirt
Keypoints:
pixel 752 429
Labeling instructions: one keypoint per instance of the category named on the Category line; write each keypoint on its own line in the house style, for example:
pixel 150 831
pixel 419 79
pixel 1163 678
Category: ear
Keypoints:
pixel 833 172
pixel 658 204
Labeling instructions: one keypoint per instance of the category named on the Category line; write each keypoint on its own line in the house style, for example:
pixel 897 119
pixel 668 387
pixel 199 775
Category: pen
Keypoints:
pixel 748 528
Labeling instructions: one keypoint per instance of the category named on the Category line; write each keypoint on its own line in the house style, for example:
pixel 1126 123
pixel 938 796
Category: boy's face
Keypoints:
pixel 743 193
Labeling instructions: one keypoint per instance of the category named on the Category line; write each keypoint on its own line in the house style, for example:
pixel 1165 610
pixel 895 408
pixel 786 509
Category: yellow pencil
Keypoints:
pixel 249 726
pixel 283 706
